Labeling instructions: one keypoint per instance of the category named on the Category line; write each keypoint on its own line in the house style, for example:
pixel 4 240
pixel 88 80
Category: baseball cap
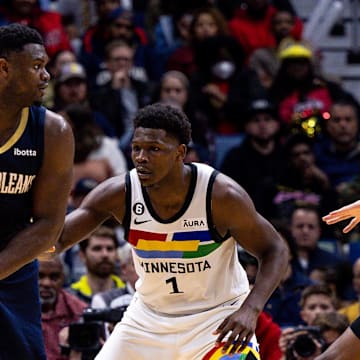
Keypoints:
pixel 120 13
pixel 261 105
pixel 295 50
pixel 71 70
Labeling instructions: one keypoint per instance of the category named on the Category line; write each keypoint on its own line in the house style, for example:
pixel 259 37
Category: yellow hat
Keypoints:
pixel 295 51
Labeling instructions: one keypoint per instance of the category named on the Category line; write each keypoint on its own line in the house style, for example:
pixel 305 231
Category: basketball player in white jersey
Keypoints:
pixel 184 222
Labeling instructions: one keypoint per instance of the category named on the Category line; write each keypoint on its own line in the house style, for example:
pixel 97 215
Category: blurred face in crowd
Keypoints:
pixel 100 256
pixel 298 69
pixel 121 28
pixel 73 91
pixel 305 228
pixel 105 7
pixel 174 90
pixel 23 7
pixel 120 58
pixel 343 126
pixel 282 24
pixel 205 26
pixel 262 126
pixel 356 277
pixel 316 304
pixel 301 156
pixel 65 57
pixel 51 279
pixel 257 5
pixel 183 26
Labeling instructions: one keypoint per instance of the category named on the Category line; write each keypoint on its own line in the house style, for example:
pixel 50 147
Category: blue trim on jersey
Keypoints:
pixel 202 235
pixel 159 254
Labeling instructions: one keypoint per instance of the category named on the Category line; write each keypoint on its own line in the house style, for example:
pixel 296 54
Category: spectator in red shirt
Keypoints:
pixel 58 307
pixel 48 23
pixel 252 25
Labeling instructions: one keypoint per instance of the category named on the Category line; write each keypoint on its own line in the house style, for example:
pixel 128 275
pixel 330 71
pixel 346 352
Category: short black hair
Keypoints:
pixel 15 36
pixel 297 139
pixel 165 117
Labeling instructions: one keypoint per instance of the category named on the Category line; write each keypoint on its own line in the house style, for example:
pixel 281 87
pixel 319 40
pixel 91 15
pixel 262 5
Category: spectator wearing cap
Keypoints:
pixel 302 95
pixel 120 25
pixel 94 39
pixel 258 160
pixel 122 95
pixel 71 87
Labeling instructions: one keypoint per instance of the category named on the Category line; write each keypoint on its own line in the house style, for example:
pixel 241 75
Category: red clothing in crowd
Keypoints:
pixel 318 99
pixel 48 24
pixel 68 310
pixel 253 33
pixel 268 334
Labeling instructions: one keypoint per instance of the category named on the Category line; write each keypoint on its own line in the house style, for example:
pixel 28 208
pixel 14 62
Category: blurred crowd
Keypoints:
pixel 262 111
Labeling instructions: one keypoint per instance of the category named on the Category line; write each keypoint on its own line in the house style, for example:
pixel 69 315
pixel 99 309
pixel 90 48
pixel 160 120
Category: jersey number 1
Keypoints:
pixel 173 282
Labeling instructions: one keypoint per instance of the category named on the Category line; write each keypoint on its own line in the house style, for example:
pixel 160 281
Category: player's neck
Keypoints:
pixel 8 125
pixel 168 197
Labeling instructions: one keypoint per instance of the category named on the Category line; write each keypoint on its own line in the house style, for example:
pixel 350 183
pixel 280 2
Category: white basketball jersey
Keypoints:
pixel 184 266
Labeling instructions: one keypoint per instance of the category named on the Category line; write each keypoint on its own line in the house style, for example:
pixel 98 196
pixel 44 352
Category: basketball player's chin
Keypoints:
pixel 38 102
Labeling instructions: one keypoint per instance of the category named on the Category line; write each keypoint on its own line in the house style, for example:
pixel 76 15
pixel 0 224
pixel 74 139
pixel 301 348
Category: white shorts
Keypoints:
pixel 143 334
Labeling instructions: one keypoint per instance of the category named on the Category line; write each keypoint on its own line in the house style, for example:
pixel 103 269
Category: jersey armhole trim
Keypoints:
pixel 215 234
pixel 127 216
pixel 18 132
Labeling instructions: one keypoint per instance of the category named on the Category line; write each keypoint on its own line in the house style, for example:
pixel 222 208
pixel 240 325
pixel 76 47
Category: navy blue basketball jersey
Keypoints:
pixel 20 161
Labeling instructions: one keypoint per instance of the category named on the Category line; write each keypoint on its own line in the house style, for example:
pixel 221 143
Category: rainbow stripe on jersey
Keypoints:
pixel 180 245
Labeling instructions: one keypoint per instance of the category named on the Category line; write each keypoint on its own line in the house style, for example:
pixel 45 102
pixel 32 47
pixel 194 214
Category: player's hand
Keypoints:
pixel 345 213
pixel 241 326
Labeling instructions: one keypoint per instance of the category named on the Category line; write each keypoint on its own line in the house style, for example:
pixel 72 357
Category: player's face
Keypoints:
pixel 28 77
pixel 154 154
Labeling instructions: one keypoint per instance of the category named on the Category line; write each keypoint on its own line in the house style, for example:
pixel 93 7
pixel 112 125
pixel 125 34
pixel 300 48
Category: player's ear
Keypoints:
pixel 4 67
pixel 182 149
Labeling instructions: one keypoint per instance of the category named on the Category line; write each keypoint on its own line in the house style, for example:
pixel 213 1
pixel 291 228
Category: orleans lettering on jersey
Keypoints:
pixel 14 183
pixel 175 267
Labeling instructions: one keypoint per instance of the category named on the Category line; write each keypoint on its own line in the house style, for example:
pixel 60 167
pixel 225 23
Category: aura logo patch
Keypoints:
pixel 193 223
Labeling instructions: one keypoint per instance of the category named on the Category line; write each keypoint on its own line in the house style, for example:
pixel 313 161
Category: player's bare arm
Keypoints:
pixel 233 211
pixel 105 201
pixel 51 189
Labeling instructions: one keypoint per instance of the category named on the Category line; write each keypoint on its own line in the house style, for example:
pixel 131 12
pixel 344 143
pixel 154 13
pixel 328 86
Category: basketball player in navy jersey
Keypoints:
pixel 184 222
pixel 36 156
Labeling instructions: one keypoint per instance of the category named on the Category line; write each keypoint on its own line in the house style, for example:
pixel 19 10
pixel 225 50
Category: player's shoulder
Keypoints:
pixel 56 123
pixel 227 189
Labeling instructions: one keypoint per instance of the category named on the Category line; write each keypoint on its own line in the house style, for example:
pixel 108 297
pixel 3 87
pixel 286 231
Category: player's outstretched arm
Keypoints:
pixel 103 202
pixel 234 211
pixel 50 189
pixel 351 211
